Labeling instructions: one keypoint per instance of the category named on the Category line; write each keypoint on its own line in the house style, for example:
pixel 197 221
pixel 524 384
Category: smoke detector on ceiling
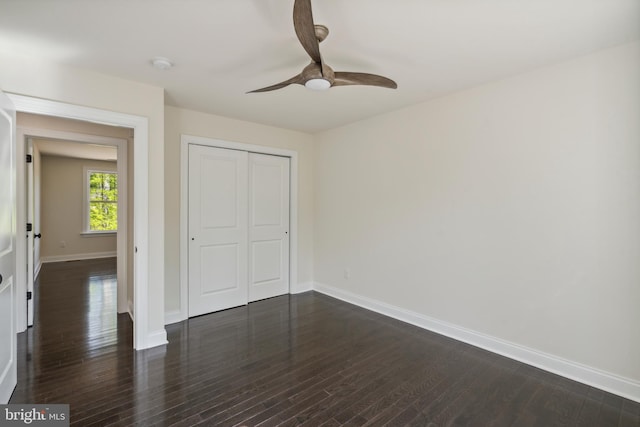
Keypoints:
pixel 161 63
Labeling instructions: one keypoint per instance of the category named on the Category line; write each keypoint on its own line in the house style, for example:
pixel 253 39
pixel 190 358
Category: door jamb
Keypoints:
pixel 185 141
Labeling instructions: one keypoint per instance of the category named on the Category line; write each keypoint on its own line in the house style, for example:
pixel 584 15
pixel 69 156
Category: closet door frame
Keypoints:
pixel 186 140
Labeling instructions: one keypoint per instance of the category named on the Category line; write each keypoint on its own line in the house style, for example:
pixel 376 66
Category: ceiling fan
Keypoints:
pixel 318 75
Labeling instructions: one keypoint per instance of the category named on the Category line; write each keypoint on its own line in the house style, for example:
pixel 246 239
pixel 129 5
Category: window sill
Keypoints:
pixel 98 233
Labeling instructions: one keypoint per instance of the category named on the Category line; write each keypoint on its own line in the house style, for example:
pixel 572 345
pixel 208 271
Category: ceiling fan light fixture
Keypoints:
pixel 318 84
pixel 318 75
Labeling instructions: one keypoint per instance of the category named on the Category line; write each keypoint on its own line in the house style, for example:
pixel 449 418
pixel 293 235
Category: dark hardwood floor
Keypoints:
pixel 293 360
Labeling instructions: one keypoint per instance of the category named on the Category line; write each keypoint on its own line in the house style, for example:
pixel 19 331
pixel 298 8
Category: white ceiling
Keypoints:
pixel 76 150
pixel 224 48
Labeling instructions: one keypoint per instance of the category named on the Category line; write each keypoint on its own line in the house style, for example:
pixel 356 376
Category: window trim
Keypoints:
pixel 86 232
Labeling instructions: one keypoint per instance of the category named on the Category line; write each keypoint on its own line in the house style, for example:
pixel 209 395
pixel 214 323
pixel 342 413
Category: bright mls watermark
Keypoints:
pixel 34 415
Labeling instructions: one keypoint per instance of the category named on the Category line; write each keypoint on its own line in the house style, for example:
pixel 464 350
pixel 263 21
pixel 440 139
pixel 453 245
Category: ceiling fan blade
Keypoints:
pixel 293 80
pixel 305 29
pixel 345 78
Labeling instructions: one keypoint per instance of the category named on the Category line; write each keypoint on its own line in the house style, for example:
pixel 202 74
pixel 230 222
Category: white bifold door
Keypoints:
pixel 238 228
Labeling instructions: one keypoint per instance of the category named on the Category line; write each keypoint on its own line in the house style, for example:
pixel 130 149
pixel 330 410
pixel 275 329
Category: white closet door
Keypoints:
pixel 217 229
pixel 268 226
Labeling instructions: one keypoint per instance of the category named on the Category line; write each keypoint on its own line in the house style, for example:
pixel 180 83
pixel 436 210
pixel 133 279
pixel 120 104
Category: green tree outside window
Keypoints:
pixel 103 201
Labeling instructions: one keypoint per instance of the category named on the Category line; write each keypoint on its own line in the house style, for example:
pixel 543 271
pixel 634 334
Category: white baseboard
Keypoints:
pixel 78 257
pixel 155 339
pixel 299 288
pixel 606 381
pixel 130 310
pixel 173 316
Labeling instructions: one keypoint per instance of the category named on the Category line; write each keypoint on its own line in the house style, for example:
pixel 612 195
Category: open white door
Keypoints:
pixel 30 233
pixel 8 355
pixel 268 226
pixel 217 229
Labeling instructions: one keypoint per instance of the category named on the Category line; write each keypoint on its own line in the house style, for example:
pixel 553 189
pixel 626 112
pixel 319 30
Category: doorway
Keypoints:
pixel 84 201
pixel 142 336
pixel 67 230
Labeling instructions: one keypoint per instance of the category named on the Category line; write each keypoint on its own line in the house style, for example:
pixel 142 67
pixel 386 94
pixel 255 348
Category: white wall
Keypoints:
pixel 30 77
pixel 180 121
pixel 511 209
pixel 62 211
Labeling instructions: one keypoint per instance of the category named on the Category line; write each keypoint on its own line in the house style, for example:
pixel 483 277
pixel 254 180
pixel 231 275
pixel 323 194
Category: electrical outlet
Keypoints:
pixel 347 273
pixel 63 244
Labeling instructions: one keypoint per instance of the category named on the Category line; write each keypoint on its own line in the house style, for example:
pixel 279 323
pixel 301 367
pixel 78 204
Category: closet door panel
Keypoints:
pixel 268 226
pixel 218 232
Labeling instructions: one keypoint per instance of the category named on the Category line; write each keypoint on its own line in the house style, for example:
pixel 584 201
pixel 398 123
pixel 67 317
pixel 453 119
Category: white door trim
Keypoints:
pixel 185 140
pixel 142 338
pixel 25 133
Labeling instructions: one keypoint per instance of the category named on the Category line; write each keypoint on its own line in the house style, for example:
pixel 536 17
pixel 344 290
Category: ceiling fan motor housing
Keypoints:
pixel 314 71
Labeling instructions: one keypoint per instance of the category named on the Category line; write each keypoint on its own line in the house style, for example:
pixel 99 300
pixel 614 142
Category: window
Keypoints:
pixel 101 205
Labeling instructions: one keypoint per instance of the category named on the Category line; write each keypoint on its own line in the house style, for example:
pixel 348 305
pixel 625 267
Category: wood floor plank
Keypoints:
pixel 253 404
